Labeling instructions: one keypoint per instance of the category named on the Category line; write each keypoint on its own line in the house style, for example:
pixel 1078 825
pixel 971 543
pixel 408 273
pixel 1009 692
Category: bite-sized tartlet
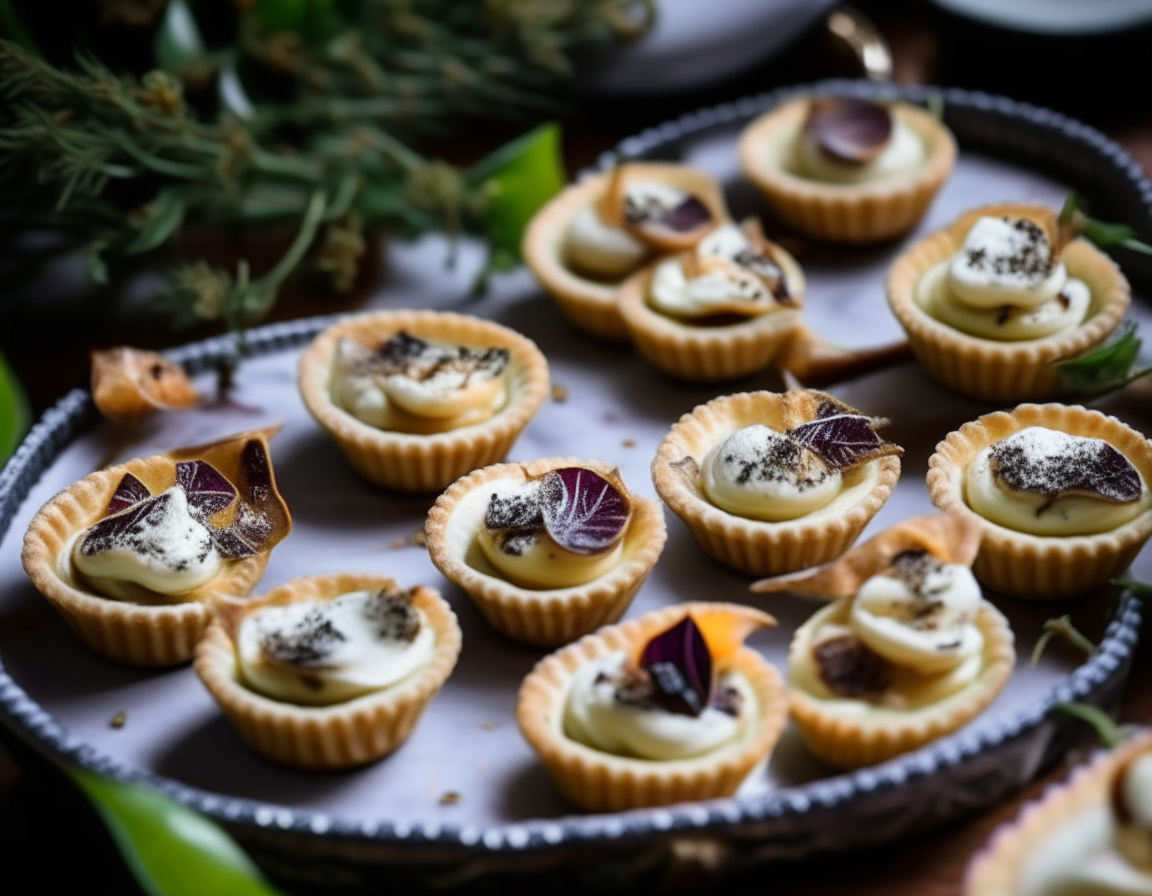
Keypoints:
pixel 848 170
pixel 661 709
pixel 1091 836
pixel 721 310
pixel 416 399
pixel 1060 492
pixel 329 672
pixel 130 383
pixel 131 555
pixel 585 242
pixel 774 482
pixel 907 652
pixel 993 302
pixel 548 550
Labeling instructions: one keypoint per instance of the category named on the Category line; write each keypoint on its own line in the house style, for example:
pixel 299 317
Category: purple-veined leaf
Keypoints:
pixel 582 511
pixel 850 130
pixel 843 440
pixel 687 216
pixel 207 490
pixel 113 530
pixel 130 491
pixel 260 520
pixel 680 666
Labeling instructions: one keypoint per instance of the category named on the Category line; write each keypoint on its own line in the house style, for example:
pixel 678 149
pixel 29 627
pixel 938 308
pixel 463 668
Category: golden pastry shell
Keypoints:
pixel 323 738
pixel 592 304
pixel 752 546
pixel 996 870
pixel 544 617
pixel 705 353
pixel 844 213
pixel 1032 566
pixel 986 368
pixel 854 740
pixel 423 463
pixel 136 634
pixel 600 781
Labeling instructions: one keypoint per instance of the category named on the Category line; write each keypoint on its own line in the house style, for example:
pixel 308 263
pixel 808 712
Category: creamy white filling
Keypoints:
pixel 651 198
pixel 1137 791
pixel 594 717
pixel 167 550
pixel 342 650
pixel 761 474
pixel 1008 323
pixel 445 401
pixel 905 152
pixel 1034 513
pixel 931 631
pixel 1079 859
pixel 535 560
pixel 1001 264
pixel 599 249
pixel 713 292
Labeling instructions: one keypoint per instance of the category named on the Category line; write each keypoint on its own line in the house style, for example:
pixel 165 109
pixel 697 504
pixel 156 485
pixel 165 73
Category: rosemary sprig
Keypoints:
pixel 1108 366
pixel 1102 233
pixel 1063 628
pixel 1102 723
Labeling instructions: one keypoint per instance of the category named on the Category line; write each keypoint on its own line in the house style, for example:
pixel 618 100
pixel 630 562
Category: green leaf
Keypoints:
pixel 520 177
pixel 312 19
pixel 12 28
pixel 1107 366
pixel 178 40
pixel 165 215
pixel 14 413
pixel 170 849
pixel 1102 233
pixel 1103 724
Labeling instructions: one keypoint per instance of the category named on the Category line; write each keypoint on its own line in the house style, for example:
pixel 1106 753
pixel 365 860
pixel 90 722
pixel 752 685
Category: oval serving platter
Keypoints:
pixel 465 797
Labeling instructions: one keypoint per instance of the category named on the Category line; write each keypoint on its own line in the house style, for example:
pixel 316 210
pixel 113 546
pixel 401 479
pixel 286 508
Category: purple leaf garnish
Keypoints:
pixel 687 216
pixel 260 521
pixel 115 529
pixel 1085 467
pixel 130 491
pixel 207 490
pixel 582 511
pixel 843 440
pixel 850 130
pixel 680 666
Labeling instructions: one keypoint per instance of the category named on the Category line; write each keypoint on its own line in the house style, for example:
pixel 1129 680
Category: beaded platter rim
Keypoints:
pixel 73 413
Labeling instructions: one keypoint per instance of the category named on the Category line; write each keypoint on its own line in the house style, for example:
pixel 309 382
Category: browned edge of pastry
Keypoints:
pixel 423 463
pixel 344 735
pixel 546 617
pixel 752 546
pixel 599 781
pixel 1034 566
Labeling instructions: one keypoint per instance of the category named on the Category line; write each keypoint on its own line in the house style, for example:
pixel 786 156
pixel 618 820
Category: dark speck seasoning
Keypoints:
pixel 1054 464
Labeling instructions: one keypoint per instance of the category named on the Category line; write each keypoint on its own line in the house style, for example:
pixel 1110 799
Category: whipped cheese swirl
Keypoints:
pixel 165 549
pixel 1005 284
pixel 600 250
pixel 920 614
pixel 410 385
pixel 323 652
pixel 1045 482
pixel 762 474
pixel 604 713
pixel 729 276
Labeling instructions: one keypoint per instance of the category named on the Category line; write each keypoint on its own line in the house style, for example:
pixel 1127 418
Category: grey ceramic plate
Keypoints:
pixel 387 821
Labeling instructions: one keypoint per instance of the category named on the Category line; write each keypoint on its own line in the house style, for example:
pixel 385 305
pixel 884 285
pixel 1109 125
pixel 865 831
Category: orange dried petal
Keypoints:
pixel 128 383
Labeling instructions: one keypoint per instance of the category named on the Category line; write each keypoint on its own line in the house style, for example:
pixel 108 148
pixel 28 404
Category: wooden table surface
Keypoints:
pixel 931 864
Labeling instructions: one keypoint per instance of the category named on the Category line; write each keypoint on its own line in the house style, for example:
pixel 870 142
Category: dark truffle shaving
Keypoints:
pixel 392 615
pixel 850 669
pixel 134 530
pixel 1091 469
pixel 309 643
pixel 765 267
pixel 783 459
pixel 637 687
pixel 407 355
